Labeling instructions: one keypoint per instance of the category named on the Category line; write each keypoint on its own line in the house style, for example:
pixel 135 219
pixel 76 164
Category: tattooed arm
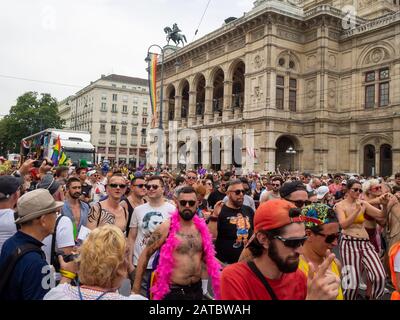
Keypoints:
pixel 93 217
pixel 99 218
pixel 156 240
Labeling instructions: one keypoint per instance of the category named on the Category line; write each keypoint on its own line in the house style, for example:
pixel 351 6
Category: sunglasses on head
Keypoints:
pixel 115 186
pixel 140 186
pixel 152 186
pixel 293 243
pixel 356 190
pixel 238 192
pixel 329 238
pixel 184 203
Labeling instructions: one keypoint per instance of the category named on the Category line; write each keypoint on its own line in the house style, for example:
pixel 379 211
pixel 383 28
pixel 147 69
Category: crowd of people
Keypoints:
pixel 113 233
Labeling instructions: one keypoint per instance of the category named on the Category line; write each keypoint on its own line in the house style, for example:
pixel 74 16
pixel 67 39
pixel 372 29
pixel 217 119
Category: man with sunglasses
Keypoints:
pixel 294 192
pixel 273 273
pixel 322 230
pixel 218 194
pixel 145 220
pixel 277 183
pixel 110 210
pixel 191 178
pixel 234 224
pixel 183 258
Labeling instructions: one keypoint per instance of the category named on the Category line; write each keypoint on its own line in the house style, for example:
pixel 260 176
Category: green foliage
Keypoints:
pixel 30 115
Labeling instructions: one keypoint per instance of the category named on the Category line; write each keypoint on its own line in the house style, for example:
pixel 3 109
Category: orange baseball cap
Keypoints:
pixel 276 214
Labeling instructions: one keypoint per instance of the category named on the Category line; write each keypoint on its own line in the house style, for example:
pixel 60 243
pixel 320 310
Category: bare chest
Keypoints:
pixel 189 243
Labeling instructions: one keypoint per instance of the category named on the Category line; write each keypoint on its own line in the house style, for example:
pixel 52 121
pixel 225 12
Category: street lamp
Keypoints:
pixel 292 153
pixel 177 64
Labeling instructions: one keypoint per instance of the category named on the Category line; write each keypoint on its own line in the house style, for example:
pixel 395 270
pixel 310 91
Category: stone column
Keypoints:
pixel 208 115
pixel 178 107
pixel 192 108
pixel 227 107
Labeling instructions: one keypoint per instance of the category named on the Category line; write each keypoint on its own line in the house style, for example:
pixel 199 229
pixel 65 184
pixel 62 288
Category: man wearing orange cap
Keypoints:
pixel 273 274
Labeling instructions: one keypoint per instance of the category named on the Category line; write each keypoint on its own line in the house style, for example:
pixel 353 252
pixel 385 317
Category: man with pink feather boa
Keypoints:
pixel 187 254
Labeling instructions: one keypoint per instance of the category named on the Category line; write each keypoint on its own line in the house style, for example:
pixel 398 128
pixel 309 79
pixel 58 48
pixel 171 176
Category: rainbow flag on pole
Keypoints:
pixel 56 152
pixel 153 82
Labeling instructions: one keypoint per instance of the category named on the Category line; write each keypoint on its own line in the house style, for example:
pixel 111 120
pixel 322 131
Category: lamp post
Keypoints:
pixel 160 125
pixel 292 153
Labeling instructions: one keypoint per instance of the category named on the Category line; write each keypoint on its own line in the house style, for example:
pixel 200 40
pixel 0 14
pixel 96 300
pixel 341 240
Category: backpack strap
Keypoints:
pixel 53 254
pixel 130 214
pixel 264 281
pixel 9 265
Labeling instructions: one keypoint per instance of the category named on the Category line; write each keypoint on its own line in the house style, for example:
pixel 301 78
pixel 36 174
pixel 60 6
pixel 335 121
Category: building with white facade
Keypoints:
pixel 116 111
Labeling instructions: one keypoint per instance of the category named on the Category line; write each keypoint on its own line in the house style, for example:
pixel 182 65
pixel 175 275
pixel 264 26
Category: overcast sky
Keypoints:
pixel 73 42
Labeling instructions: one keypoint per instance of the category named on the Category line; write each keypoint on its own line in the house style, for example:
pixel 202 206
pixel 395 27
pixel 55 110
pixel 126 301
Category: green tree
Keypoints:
pixel 30 115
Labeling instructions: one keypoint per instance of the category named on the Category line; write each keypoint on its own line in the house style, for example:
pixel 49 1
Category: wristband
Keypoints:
pixel 68 274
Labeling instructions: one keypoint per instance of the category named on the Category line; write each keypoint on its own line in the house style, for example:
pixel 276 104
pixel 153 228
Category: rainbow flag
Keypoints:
pixel 153 82
pixel 56 152
pixel 63 158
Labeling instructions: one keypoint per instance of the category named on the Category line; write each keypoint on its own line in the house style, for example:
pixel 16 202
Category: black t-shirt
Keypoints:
pixel 235 227
pixel 214 197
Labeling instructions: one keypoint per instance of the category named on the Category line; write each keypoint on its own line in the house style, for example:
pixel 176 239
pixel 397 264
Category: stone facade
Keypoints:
pixel 115 110
pixel 299 75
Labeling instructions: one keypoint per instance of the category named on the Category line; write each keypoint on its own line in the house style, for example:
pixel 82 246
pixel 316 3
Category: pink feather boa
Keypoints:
pixel 166 262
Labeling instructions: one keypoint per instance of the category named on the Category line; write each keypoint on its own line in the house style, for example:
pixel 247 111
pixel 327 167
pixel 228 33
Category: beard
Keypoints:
pixel 75 195
pixel 238 203
pixel 187 214
pixel 288 265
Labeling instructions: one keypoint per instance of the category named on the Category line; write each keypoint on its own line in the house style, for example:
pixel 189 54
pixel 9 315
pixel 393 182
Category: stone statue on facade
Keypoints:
pixel 175 35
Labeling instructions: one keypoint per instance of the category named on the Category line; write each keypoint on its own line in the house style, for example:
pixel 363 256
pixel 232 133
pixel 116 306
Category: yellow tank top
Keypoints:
pixel 303 266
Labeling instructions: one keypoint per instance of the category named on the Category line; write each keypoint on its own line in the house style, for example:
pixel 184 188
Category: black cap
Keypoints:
pixel 8 186
pixel 290 187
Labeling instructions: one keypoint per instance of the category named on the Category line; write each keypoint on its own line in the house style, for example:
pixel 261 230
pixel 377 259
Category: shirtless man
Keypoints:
pixel 110 210
pixel 277 183
pixel 189 255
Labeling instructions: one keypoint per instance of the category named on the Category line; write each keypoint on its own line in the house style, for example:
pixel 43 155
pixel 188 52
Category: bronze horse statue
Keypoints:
pixel 174 35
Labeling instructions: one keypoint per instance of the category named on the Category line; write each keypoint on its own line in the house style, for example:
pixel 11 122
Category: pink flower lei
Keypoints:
pixel 166 262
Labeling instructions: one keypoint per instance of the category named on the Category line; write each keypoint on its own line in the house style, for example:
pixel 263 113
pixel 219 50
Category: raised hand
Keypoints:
pixel 322 283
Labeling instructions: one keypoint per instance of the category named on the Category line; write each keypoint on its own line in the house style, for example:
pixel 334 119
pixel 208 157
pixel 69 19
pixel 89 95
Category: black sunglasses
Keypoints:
pixel 184 203
pixel 293 243
pixel 329 238
pixel 356 190
pixel 152 186
pixel 192 178
pixel 238 192
pixel 298 203
pixel 115 186
pixel 140 186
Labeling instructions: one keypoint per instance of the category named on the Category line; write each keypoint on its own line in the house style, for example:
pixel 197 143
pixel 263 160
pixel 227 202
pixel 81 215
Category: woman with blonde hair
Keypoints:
pixel 102 267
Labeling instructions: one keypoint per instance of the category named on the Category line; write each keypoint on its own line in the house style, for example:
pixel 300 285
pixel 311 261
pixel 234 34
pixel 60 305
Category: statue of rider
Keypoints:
pixel 175 29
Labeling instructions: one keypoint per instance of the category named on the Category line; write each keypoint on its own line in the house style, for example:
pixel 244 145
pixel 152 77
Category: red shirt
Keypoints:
pixel 238 282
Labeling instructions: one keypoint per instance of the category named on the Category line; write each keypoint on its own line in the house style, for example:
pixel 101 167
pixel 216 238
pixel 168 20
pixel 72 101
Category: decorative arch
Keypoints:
pixel 376 53
pixel 170 94
pixel 232 67
pixel 376 140
pixel 283 159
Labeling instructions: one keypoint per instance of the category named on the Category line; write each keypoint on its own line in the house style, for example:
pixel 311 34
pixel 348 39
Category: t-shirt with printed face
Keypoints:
pixel 147 219
pixel 235 227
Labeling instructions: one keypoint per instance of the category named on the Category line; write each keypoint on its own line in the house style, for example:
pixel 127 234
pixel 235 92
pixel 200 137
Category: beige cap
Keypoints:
pixel 36 203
